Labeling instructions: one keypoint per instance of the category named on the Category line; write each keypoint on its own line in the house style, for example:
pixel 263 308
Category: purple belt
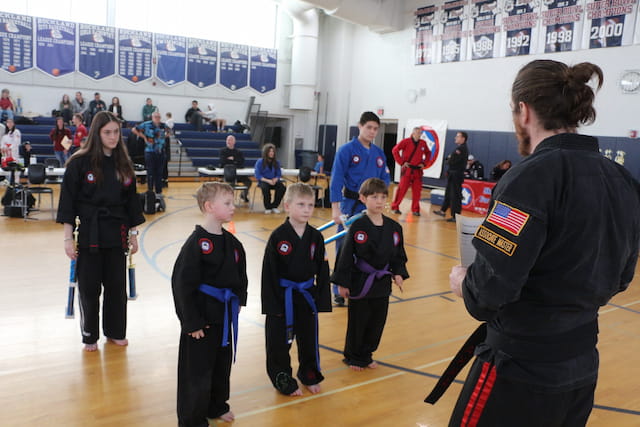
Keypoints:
pixel 365 267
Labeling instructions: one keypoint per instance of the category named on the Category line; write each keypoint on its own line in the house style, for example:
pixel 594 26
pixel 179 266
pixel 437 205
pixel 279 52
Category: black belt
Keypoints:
pixel 415 167
pixel 354 195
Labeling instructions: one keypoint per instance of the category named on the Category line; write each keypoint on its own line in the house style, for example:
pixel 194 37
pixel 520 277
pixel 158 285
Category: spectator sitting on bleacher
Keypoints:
pixel 211 115
pixel 148 109
pixel 116 109
pixel 475 169
pixel 230 155
pixel 319 166
pixel 80 106
pixel 268 173
pixel 95 107
pixel 7 107
pixel 10 142
pixel 80 134
pixel 169 122
pixel 66 108
pixel 57 136
pixel 194 115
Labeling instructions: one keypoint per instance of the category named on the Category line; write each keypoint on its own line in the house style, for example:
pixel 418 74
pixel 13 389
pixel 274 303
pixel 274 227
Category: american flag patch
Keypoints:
pixel 508 218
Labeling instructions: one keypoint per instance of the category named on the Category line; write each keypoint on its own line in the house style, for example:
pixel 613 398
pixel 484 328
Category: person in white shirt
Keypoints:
pixel 211 115
pixel 10 142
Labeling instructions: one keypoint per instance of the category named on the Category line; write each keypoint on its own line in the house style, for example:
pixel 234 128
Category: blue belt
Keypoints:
pixel 288 308
pixel 365 267
pixel 226 296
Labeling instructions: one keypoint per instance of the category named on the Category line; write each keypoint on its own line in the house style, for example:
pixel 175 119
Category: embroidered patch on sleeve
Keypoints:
pixel 497 241
pixel 510 219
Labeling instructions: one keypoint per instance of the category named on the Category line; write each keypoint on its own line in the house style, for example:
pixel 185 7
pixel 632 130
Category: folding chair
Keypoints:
pixel 37 176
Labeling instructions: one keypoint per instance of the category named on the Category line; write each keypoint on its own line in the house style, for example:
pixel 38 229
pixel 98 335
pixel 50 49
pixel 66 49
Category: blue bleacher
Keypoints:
pixel 202 147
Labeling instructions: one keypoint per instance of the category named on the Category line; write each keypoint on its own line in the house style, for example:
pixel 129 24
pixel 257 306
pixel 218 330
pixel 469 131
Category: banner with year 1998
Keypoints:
pixel 55 46
pixel 561 25
pixel 97 53
pixel 16 42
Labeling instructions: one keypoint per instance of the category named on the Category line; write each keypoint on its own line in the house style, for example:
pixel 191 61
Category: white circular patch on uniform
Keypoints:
pixel 206 246
pixel 355 159
pixel 379 162
pixel 360 237
pixel 284 248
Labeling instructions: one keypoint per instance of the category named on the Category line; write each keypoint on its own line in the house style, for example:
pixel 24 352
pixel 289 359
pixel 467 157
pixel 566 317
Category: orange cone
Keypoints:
pixel 231 228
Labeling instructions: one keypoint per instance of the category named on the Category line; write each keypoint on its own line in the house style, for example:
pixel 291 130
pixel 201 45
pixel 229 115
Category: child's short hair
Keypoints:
pixel 169 115
pixel 369 116
pixel 373 186
pixel 298 189
pixel 208 191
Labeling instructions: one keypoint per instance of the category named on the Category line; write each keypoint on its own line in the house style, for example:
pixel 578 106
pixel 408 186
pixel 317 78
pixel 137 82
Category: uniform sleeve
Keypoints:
pixel 184 284
pixel 69 189
pixel 344 261
pixel 398 264
pixel 134 207
pixel 340 165
pixel 505 252
pixel 271 303
pixel 322 278
pixel 242 272
pixel 396 152
pixel 384 171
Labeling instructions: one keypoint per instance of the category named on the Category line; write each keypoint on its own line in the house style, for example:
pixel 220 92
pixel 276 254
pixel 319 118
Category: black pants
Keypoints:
pixel 204 368
pixel 104 269
pixel 266 194
pixel 487 400
pixel 154 162
pixel 277 349
pixel 366 320
pixel 453 193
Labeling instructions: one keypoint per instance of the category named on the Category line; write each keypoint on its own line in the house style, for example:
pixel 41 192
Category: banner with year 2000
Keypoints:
pixel 609 23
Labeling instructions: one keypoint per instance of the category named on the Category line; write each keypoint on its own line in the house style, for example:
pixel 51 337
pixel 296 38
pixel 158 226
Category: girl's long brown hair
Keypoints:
pixel 93 149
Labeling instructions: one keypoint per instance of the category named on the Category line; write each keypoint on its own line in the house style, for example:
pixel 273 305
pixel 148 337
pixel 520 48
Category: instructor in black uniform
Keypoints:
pixel 99 186
pixel 457 162
pixel 560 239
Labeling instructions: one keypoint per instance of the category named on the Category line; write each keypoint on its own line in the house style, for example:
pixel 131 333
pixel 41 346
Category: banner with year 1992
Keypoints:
pixel 55 46
pixel 16 42
pixel 520 23
pixel 97 53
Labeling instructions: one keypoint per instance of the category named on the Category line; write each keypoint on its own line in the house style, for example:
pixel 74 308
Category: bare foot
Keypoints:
pixel 121 342
pixel 228 417
pixel 298 392
pixel 91 347
pixel 356 368
pixel 314 389
pixel 372 365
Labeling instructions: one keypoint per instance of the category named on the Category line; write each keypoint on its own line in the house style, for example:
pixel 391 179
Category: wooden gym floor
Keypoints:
pixel 46 378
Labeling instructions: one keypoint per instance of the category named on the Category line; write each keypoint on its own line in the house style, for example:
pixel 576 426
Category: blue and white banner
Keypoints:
pixel 55 46
pixel 134 55
pixel 264 63
pixel 202 62
pixel 97 51
pixel 16 42
pixel 171 52
pixel 561 25
pixel 424 24
pixel 454 46
pixel 486 32
pixel 610 23
pixel 521 25
pixel 234 65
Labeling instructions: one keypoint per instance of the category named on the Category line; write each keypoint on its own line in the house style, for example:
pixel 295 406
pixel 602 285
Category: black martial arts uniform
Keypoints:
pixel 382 247
pixel 107 210
pixel 204 365
pixel 457 162
pixel 561 238
pixel 297 259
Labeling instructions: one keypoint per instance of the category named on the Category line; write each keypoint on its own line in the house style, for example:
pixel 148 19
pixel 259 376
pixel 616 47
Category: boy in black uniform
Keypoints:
pixel 372 253
pixel 560 239
pixel 209 284
pixel 295 287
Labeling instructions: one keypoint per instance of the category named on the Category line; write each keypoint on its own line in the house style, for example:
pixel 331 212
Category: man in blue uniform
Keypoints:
pixel 354 162
pixel 560 239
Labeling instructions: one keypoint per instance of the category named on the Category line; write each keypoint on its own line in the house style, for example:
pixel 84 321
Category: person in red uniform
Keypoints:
pixel 411 154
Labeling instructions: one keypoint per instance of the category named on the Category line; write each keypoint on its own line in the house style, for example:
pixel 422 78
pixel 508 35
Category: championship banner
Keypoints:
pixel 486 32
pixel 561 25
pixel 134 55
pixel 202 62
pixel 454 46
pixel 264 63
pixel 433 132
pixel 55 46
pixel 171 52
pixel 424 24
pixel 16 42
pixel 521 25
pixel 610 23
pixel 97 51
pixel 234 63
